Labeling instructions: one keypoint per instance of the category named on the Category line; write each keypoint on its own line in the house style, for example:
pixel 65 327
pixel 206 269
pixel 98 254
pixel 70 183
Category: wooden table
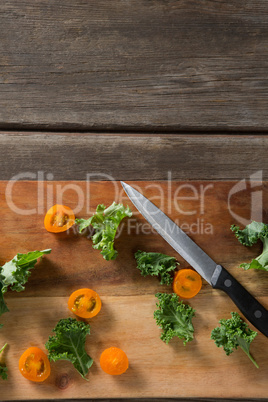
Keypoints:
pixel 133 90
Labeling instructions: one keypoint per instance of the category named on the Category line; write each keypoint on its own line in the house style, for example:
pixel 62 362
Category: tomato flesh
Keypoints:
pixel 84 303
pixel 114 361
pixel 187 283
pixel 59 218
pixel 34 365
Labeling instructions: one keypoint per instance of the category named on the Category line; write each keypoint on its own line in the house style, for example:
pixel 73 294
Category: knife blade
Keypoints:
pixel 217 276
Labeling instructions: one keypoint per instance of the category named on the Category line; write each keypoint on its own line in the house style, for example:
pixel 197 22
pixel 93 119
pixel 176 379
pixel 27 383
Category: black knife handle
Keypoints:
pixel 249 306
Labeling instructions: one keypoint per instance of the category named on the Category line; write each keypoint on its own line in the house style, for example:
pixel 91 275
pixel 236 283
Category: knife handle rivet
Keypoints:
pixel 228 283
pixel 258 314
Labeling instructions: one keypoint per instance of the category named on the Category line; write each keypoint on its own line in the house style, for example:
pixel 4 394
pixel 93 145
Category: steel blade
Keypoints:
pixel 173 234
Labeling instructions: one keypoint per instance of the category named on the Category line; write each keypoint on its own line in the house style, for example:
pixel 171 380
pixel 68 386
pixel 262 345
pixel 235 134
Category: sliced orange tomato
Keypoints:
pixel 114 361
pixel 84 303
pixel 187 283
pixel 59 218
pixel 34 364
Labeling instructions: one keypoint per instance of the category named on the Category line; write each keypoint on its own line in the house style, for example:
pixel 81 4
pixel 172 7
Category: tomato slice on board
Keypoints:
pixel 114 361
pixel 34 365
pixel 59 218
pixel 85 303
pixel 187 283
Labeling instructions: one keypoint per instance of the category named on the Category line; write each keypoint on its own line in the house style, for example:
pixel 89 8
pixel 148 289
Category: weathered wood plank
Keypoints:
pixel 143 157
pixel 157 65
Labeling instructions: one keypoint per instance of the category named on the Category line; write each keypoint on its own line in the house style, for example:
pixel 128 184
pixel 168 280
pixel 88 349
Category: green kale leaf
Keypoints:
pixel 3 368
pixel 250 235
pixel 15 273
pixel 156 264
pixel 234 332
pixel 3 306
pixel 3 372
pixel 174 317
pixel 69 344
pixel 105 223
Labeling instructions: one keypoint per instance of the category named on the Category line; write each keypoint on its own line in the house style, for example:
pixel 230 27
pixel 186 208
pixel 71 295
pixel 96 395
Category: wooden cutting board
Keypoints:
pixel 199 369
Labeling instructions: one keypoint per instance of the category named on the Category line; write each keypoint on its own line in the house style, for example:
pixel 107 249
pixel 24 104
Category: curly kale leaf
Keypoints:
pixel 68 343
pixel 250 235
pixel 3 306
pixel 105 223
pixel 234 333
pixel 15 273
pixel 156 264
pixel 174 317
pixel 3 372
pixel 3 368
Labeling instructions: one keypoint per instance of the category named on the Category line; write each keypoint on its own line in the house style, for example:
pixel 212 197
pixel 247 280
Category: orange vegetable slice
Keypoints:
pixel 187 283
pixel 84 303
pixel 34 365
pixel 59 218
pixel 114 361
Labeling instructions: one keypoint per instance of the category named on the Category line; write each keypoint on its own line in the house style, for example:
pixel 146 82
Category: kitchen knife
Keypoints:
pixel 217 276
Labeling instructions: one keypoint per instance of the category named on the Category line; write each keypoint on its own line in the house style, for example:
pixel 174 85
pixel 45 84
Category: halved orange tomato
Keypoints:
pixel 34 364
pixel 59 218
pixel 84 303
pixel 187 283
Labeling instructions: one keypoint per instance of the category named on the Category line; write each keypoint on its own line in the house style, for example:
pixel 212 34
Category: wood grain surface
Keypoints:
pixel 156 370
pixel 73 156
pixel 129 65
pixel 70 74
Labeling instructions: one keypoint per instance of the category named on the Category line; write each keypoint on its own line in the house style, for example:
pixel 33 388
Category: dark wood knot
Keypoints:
pixel 63 381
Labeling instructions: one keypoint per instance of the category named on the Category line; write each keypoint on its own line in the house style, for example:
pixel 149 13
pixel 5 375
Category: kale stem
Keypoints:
pixel 251 358
pixel 3 348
